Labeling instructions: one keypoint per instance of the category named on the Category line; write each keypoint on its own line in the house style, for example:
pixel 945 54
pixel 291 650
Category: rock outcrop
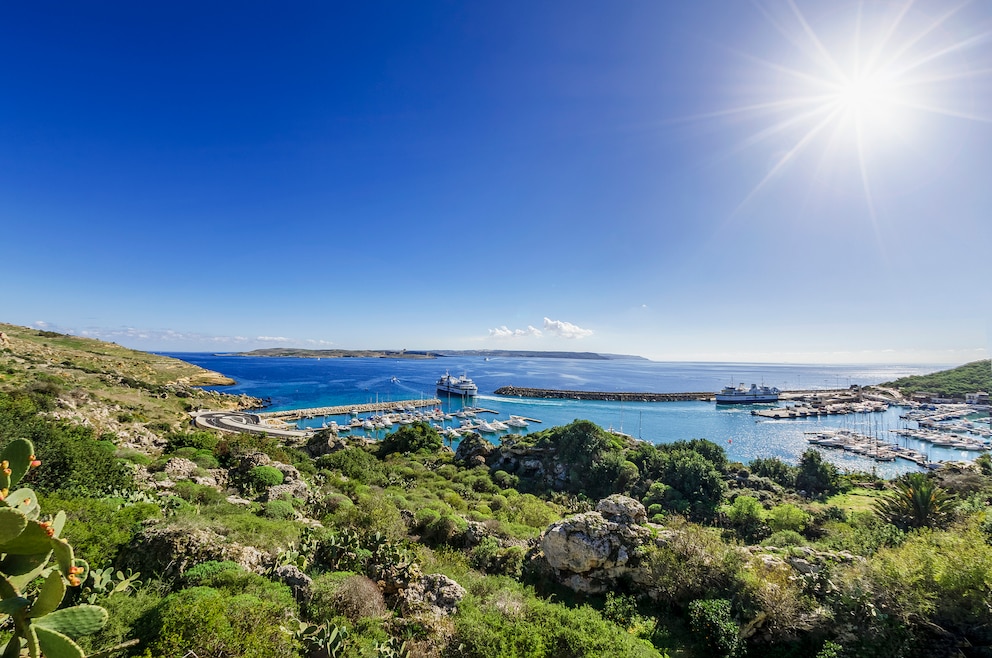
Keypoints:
pixel 169 552
pixel 300 583
pixel 589 552
pixel 473 450
pixel 433 594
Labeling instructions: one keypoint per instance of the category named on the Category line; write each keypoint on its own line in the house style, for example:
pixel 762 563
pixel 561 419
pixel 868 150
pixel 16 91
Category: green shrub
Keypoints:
pixel 278 509
pixel 418 437
pixel 185 453
pixel 715 629
pixel 99 528
pixel 133 456
pixel 198 440
pixel 784 538
pixel 424 517
pixel 514 623
pixel 355 463
pixel 218 626
pixel 787 517
pixel 197 493
pixel 207 571
pixel 205 459
pixel 446 529
pixel 263 477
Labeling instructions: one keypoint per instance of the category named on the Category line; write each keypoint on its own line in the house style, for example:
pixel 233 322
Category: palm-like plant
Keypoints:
pixel 915 501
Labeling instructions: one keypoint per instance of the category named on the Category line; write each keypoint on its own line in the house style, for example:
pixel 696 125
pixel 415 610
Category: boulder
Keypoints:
pixel 180 468
pixel 622 509
pixel 296 489
pixel 433 594
pixel 590 551
pixel 473 450
pixel 300 583
pixel 169 552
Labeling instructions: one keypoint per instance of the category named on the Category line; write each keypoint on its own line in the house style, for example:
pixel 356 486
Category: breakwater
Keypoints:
pixel 340 410
pixel 610 396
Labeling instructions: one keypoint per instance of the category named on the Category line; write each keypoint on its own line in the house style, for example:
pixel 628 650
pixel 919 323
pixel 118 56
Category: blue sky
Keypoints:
pixel 725 181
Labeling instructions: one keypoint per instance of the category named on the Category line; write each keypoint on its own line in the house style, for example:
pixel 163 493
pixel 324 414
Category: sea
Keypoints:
pixel 293 383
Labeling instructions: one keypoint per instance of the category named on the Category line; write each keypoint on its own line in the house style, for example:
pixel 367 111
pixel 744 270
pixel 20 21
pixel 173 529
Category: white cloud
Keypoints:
pixel 41 324
pixel 272 339
pixel 565 329
pixel 506 332
pixel 311 341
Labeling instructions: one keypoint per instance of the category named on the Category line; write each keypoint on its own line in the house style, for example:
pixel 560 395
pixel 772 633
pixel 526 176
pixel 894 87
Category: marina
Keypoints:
pixel 343 384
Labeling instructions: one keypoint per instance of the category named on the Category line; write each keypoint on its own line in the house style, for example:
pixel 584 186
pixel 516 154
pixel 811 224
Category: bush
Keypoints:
pixel 99 528
pixel 418 437
pixel 263 477
pixel 517 624
pixel 354 463
pixel 218 626
pixel 196 440
pixel 784 538
pixel 278 509
pixel 208 571
pixel 197 493
pixel 349 595
pixel 787 517
pixel 715 629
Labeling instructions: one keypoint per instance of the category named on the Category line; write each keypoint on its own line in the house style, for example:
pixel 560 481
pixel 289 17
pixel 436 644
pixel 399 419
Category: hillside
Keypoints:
pixel 956 382
pixel 568 541
pixel 108 387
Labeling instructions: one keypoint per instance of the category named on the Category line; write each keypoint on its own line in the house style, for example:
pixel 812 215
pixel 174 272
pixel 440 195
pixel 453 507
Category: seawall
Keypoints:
pixel 611 396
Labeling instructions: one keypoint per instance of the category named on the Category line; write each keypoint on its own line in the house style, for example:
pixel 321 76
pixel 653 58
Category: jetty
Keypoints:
pixel 340 410
pixel 610 396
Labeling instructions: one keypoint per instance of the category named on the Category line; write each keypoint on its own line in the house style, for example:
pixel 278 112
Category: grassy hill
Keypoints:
pixel 106 386
pixel 969 378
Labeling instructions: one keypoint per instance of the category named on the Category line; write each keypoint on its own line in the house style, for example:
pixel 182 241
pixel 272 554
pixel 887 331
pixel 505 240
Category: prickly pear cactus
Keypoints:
pixel 27 545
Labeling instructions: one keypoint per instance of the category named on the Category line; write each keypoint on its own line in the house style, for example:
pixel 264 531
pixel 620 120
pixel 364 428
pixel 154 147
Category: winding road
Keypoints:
pixel 239 421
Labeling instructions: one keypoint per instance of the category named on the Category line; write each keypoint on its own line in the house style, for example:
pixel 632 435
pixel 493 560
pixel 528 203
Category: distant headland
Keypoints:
pixel 431 354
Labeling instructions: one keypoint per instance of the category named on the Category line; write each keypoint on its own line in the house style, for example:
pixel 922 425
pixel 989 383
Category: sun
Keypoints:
pixel 855 77
pixel 867 95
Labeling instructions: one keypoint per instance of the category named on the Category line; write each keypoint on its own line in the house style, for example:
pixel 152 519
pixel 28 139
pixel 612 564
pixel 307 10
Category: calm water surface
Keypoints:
pixel 292 383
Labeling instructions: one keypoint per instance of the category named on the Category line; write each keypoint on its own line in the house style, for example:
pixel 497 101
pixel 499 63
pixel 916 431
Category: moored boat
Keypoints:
pixel 743 395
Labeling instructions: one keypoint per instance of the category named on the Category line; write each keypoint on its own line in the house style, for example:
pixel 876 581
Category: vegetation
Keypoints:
pixel 758 559
pixel 969 378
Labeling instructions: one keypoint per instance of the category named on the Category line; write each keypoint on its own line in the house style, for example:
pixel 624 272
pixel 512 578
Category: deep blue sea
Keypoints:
pixel 296 383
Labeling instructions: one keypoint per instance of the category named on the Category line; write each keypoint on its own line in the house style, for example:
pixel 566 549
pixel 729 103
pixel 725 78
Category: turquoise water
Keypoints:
pixel 296 383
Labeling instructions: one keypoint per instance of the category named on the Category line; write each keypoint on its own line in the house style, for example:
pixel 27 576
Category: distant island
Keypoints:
pixel 431 354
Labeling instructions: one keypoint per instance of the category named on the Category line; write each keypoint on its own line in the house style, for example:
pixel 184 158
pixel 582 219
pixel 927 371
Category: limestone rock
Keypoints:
pixel 473 450
pixel 170 552
pixel 300 583
pixel 622 509
pixel 434 594
pixel 590 551
pixel 297 489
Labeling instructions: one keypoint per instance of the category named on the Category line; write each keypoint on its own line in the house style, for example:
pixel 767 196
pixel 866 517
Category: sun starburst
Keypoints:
pixel 852 82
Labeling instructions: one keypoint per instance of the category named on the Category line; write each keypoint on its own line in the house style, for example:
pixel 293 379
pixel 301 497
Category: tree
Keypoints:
pixel 915 501
pixel 416 437
pixel 816 476
pixel 747 517
pixel 696 480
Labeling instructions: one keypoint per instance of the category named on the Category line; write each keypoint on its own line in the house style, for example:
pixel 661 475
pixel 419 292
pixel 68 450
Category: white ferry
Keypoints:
pixel 462 386
pixel 743 395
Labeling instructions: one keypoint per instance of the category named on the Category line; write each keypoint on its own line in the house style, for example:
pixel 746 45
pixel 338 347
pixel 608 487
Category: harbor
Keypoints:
pixel 345 384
